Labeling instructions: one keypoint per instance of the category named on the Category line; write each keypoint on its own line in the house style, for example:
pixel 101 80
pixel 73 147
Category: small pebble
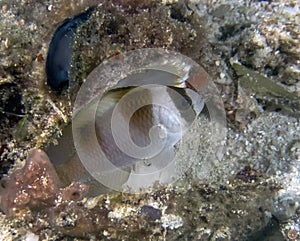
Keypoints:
pixel 151 212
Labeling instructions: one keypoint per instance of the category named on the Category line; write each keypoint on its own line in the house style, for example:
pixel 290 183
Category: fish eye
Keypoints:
pixel 184 105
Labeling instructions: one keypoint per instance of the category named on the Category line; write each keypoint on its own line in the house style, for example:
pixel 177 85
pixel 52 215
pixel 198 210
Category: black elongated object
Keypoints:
pixel 59 58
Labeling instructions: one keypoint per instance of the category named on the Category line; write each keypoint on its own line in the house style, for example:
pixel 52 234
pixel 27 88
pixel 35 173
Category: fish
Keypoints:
pixel 106 144
pixel 125 129
pixel 173 118
pixel 130 117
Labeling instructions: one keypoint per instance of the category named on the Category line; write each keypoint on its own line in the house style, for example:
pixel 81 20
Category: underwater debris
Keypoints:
pixel 60 51
pixel 151 212
pixel 171 221
pixel 272 96
pixel 248 174
pixel 132 6
pixel 36 186
pixel 75 191
pixel 112 215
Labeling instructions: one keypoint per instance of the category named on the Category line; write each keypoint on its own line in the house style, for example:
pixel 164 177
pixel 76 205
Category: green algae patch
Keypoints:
pixel 21 130
pixel 273 96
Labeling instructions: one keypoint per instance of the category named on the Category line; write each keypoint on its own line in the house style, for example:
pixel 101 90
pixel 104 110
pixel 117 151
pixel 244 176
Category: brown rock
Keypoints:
pixel 33 186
